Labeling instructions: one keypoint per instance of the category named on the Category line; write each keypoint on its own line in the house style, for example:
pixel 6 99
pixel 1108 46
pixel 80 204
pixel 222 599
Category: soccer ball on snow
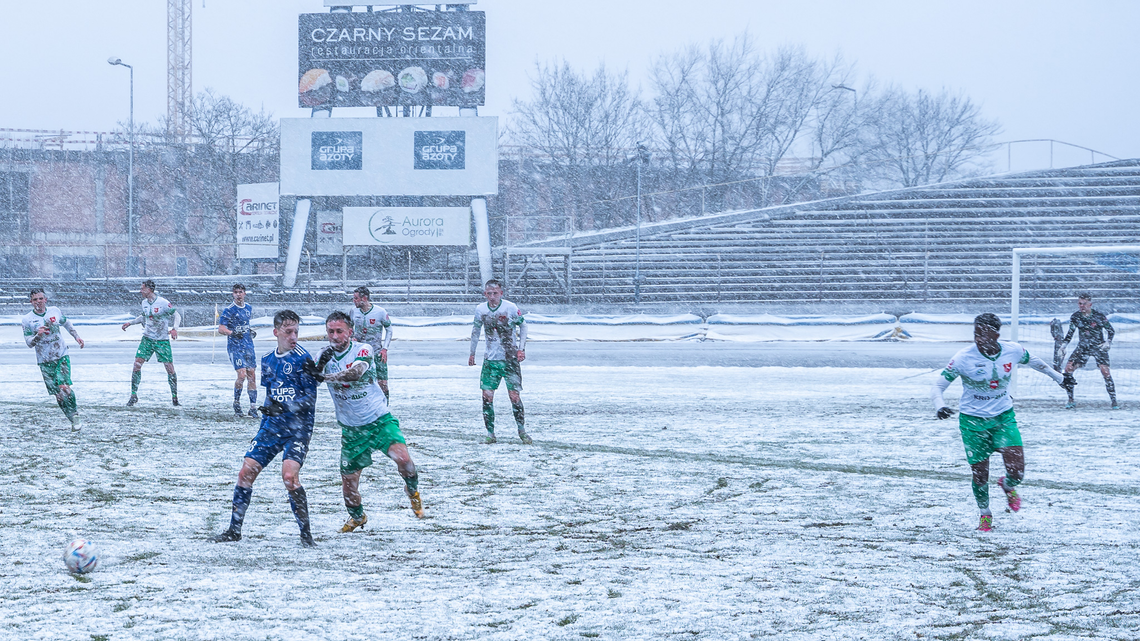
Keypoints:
pixel 81 556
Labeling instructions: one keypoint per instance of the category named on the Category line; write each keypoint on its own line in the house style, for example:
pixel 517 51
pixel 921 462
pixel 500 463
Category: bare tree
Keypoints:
pixel 923 138
pixel 581 128
pixel 726 113
pixel 190 190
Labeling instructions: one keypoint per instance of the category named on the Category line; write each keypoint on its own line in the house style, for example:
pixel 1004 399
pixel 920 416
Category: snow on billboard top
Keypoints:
pixel 378 59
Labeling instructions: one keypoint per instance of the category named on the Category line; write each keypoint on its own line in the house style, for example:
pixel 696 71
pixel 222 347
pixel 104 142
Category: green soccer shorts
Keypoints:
pixel 148 346
pixel 984 436
pixel 496 371
pixel 56 373
pixel 358 443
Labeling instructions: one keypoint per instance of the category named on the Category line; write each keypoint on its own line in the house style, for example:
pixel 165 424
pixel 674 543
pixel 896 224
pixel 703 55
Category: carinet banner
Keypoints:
pixel 407 225
pixel 257 220
pixel 377 59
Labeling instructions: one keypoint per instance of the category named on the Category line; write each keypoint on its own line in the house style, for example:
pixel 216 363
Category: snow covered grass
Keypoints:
pixel 704 502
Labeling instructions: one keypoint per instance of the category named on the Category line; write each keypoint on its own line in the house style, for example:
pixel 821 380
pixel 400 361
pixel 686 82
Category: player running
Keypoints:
pixel 362 412
pixel 160 323
pixel 370 324
pixel 41 332
pixel 286 428
pixel 987 421
pixel 234 324
pixel 503 323
pixel 1093 326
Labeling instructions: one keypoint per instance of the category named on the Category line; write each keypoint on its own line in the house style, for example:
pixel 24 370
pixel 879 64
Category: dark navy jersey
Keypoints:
pixel 286 382
pixel 1092 328
pixel 236 319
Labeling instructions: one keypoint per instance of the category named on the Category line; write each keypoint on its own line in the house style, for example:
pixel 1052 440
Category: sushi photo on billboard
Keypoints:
pixel 380 59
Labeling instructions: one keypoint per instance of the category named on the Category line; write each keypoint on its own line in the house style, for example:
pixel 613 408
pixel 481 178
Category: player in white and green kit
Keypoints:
pixel 503 323
pixel 362 412
pixel 160 324
pixel 41 332
pixel 987 421
pixel 370 324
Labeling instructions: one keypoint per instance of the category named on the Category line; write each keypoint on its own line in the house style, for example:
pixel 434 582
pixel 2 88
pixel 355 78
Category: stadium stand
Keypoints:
pixel 926 247
pixel 948 243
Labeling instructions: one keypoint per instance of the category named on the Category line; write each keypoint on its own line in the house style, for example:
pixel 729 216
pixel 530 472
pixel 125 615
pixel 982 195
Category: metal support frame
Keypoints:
pixel 179 69
pixel 565 282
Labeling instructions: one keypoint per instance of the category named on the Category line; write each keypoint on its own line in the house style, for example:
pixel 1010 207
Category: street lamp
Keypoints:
pixel 132 266
pixel 642 159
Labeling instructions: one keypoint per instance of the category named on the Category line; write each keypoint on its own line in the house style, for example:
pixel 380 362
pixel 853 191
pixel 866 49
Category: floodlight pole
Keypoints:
pixel 642 157
pixel 130 170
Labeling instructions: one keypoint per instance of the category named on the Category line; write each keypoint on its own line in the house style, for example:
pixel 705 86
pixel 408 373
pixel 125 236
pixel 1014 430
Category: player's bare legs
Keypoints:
pixel 246 377
pixel 1109 385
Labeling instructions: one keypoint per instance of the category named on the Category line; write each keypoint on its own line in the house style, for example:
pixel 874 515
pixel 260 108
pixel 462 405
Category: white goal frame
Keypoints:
pixel 1015 285
pixel 1018 252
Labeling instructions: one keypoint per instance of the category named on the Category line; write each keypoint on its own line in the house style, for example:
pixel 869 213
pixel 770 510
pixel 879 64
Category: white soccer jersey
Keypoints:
pixel 504 327
pixel 374 328
pixel 158 318
pixel 985 381
pixel 358 402
pixel 51 347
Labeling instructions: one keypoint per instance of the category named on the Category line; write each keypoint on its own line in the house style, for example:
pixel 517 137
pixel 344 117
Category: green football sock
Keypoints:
pixel 355 511
pixel 981 494
pixel 413 483
pixel 136 378
pixel 173 380
pixel 489 415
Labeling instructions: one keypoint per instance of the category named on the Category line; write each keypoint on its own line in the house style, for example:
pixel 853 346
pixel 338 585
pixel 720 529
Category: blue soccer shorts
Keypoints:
pixel 274 438
pixel 243 357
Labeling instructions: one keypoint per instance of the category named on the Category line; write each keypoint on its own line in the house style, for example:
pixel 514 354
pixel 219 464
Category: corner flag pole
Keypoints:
pixel 214 335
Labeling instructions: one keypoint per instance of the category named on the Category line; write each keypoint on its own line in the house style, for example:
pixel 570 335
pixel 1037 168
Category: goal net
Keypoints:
pixel 1046 284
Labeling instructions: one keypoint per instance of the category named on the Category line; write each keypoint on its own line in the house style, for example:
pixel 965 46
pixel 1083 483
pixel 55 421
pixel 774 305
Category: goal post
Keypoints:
pixel 1110 273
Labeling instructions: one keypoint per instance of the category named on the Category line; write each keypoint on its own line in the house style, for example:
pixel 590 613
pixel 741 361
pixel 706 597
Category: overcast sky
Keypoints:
pixel 1043 69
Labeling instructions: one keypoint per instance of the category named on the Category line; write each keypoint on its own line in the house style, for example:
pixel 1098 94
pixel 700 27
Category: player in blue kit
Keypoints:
pixel 234 324
pixel 286 427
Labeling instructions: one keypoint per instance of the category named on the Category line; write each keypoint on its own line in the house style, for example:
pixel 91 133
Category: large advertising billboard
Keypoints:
pixel 407 226
pixel 257 221
pixel 388 58
pixel 389 156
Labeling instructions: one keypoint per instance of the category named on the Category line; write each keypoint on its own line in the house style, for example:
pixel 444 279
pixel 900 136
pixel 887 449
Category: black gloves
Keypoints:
pixel 275 408
pixel 945 412
pixel 313 370
pixel 1069 382
pixel 326 356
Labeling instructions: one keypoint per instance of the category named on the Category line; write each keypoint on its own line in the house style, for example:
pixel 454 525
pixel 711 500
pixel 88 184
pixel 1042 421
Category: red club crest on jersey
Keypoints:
pixel 993 384
pixel 155 310
pixel 503 318
pixel 52 319
pixel 1008 366
pixel 364 352
pixel 371 321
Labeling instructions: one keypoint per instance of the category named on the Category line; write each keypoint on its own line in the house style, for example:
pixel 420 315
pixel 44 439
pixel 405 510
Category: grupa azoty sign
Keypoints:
pixel 407 226
pixel 257 220
pixel 389 156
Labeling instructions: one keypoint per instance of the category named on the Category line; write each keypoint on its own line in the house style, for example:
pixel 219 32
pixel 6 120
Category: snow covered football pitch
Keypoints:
pixel 658 501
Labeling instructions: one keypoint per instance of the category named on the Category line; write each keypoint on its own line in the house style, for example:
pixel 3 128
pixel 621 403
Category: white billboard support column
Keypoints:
pixel 482 238
pixel 296 241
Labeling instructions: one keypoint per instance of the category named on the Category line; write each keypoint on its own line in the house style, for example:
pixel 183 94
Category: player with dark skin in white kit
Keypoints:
pixel 987 422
